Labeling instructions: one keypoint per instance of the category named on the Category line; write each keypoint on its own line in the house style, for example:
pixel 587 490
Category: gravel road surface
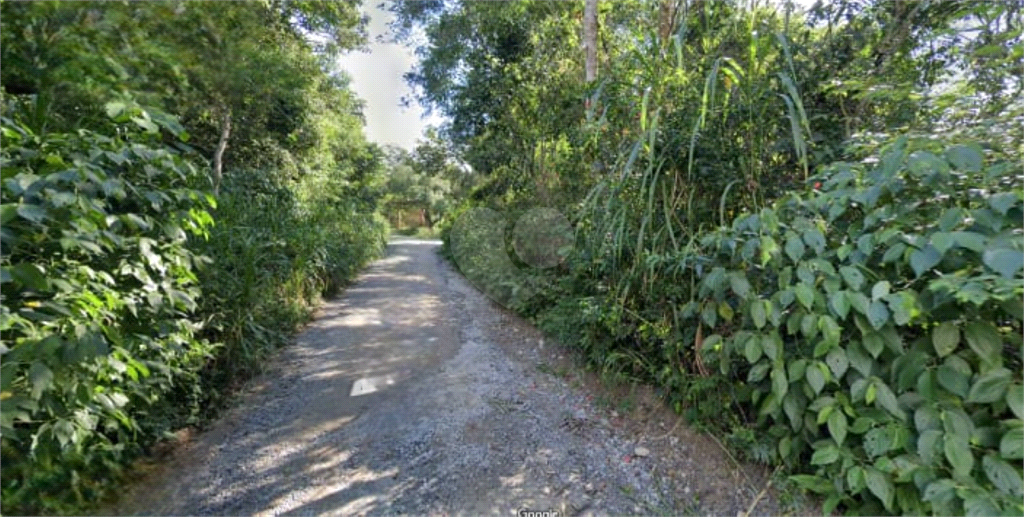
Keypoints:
pixel 412 393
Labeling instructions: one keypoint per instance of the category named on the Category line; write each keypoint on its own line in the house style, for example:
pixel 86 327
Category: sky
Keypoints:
pixel 377 79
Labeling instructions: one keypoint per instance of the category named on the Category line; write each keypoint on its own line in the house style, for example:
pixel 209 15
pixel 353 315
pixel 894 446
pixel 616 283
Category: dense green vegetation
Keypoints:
pixel 181 181
pixel 806 228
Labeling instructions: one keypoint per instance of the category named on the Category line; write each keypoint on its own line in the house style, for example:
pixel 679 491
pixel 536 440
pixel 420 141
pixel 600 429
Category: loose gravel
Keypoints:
pixel 414 394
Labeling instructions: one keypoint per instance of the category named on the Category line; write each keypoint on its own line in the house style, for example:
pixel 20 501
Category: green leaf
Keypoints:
pixel 874 344
pixel 990 387
pixel 770 346
pixel 758 372
pixel 971 240
pixel 984 339
pixel 878 314
pixel 1003 201
pixel 953 380
pixel 1011 446
pixel 739 283
pixel 34 213
pixel 880 290
pixel 924 259
pixel 966 158
pixel 837 426
pixel 805 295
pixel 926 417
pixel 1007 262
pixel 816 484
pixel 1015 399
pixel 752 350
pixel 825 455
pixel 840 304
pixel 945 338
pixel 887 399
pixel 853 277
pixel 815 240
pixel 855 479
pixel 757 313
pixel 41 378
pixel 942 241
pixel 881 485
pixel 958 453
pixel 8 211
pixel 928 446
pixel 941 491
pixel 979 504
pixel 837 362
pixel 30 276
pixel 1003 476
pixel 795 248
pixel 780 385
pixel 815 379
pixel 725 311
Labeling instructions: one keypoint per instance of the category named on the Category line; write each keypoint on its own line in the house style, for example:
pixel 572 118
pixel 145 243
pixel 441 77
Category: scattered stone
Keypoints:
pixel 642 452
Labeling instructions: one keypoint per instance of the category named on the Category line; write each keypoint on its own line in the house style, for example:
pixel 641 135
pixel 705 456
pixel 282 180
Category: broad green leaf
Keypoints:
pixel 953 380
pixel 41 378
pixel 1011 446
pixel 757 313
pixel 984 339
pixel 1003 201
pixel 874 344
pixel 804 294
pixel 837 362
pixel 29 275
pixel 815 240
pixel 1015 399
pixel 853 277
pixel 881 485
pixel 840 304
pixel 780 385
pixel 1002 475
pixel 978 504
pixel 958 453
pixel 795 248
pixel 34 213
pixel 855 479
pixel 878 314
pixel 945 338
pixel 770 346
pixel 942 241
pixel 837 425
pixel 923 260
pixel 970 240
pixel 966 158
pixel 940 491
pixel 859 302
pixel 725 311
pixel 880 290
pixel 739 284
pixel 927 417
pixel 825 455
pixel 928 446
pixel 815 379
pixel 887 399
pixel 859 360
pixel 990 387
pixel 752 350
pixel 1007 262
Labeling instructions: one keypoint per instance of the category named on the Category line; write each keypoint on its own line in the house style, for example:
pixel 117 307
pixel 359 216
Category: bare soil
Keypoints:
pixel 412 393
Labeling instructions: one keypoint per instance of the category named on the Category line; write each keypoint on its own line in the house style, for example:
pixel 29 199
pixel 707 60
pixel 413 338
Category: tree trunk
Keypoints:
pixel 590 38
pixel 667 19
pixel 218 155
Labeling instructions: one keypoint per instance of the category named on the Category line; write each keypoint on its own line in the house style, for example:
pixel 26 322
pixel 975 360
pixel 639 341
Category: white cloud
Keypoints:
pixel 377 78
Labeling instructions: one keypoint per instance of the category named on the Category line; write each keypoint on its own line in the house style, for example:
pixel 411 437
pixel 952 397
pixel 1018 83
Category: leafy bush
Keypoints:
pixel 875 325
pixel 98 293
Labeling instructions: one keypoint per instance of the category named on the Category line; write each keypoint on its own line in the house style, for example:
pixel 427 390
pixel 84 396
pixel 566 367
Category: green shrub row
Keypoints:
pixel 865 332
pixel 132 303
pixel 875 327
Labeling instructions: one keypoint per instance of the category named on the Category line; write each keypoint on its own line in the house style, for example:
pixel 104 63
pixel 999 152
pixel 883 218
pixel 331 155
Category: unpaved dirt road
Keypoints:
pixel 412 393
